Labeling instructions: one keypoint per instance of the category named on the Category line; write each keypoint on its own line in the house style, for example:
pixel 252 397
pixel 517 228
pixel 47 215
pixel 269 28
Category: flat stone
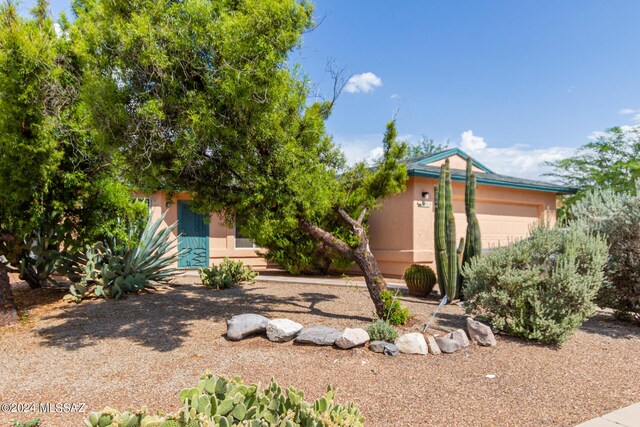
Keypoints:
pixel 243 325
pixel 281 330
pixel 459 336
pixel 432 345
pixel 480 333
pixel 318 335
pixel 390 350
pixel 352 337
pixel 448 345
pixel 412 343
pixel 377 346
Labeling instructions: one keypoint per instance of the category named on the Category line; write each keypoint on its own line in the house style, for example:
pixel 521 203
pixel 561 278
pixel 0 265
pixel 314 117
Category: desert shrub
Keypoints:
pixel 541 288
pixel 617 217
pixel 111 270
pixel 218 401
pixel 226 275
pixel 395 313
pixel 380 330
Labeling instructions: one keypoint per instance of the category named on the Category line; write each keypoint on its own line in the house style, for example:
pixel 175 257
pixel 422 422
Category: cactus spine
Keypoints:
pixel 420 279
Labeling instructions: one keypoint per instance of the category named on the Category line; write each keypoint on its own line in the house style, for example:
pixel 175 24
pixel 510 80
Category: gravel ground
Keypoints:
pixel 141 351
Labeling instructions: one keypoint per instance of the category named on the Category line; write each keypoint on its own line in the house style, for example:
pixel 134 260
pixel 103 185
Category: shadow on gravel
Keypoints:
pixel 606 324
pixel 161 320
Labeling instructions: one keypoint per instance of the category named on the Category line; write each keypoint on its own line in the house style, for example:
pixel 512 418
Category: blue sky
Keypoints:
pixel 512 82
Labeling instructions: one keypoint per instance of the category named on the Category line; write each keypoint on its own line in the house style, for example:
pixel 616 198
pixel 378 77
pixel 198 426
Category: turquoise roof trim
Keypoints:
pixel 452 152
pixel 496 180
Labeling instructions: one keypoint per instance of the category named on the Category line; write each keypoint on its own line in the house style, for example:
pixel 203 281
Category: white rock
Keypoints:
pixel 412 343
pixel 281 330
pixel 352 338
pixel 480 333
pixel 433 345
pixel 243 325
pixel 459 336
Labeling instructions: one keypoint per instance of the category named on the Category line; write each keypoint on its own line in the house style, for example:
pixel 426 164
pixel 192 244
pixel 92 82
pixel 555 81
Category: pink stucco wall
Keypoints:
pixel 455 162
pixel 402 231
pixel 221 237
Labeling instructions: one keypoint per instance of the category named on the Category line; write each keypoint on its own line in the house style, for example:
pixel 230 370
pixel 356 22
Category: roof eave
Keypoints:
pixel 488 181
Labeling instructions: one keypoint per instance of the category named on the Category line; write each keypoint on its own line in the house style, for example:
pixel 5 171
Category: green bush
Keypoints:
pixel 33 423
pixel 380 330
pixel 616 216
pixel 541 288
pixel 395 313
pixel 218 401
pixel 116 269
pixel 226 275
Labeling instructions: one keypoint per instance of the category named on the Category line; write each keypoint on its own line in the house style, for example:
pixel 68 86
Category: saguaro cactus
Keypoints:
pixel 473 243
pixel 447 255
pixel 449 259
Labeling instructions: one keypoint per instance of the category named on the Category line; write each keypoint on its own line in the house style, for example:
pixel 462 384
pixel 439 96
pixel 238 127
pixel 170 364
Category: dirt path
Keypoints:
pixel 143 350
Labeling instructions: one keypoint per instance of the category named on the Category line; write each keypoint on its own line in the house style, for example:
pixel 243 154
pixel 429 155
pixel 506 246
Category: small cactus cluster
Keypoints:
pixel 222 402
pixel 450 256
pixel 420 279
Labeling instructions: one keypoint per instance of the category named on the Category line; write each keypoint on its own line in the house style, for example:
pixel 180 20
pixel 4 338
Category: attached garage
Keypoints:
pixel 507 207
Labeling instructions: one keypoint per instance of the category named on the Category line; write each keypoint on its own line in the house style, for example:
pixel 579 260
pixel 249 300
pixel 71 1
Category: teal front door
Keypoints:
pixel 193 237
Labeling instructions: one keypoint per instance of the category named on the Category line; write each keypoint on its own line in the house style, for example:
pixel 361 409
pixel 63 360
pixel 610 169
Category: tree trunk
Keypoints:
pixel 31 277
pixel 8 313
pixel 361 255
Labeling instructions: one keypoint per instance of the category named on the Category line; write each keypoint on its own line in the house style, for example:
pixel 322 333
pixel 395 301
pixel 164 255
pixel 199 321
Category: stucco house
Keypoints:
pixel 401 232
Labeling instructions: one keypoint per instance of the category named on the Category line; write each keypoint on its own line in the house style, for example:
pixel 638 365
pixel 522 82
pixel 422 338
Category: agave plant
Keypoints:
pixel 112 270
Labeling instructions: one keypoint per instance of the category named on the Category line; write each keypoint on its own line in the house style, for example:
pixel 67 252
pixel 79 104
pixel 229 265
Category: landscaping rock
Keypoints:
pixel 352 338
pixel 480 333
pixel 243 325
pixel 447 345
pixel 377 346
pixel 318 335
pixel 281 330
pixel 459 336
pixel 390 350
pixel 433 345
pixel 412 343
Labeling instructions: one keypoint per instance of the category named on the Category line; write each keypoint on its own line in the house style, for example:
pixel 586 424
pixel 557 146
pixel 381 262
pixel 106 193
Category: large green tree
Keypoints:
pixel 611 161
pixel 199 96
pixel 54 174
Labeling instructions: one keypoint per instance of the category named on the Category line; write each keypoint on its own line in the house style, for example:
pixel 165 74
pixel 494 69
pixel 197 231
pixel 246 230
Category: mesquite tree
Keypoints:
pixel 199 97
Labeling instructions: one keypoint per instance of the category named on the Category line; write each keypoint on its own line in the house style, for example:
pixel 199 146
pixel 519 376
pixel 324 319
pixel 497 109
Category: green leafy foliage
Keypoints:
pixel 541 288
pixel 420 279
pixel 426 147
pixel 111 271
pixel 380 330
pixel 222 402
pixel 617 217
pixel 394 312
pixel 33 423
pixel 226 275
pixel 611 161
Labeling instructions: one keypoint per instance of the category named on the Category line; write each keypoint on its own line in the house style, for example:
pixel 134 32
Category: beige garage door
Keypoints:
pixel 500 223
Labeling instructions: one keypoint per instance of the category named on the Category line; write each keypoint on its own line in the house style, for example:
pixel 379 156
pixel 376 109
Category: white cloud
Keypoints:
pixel 517 160
pixel 625 111
pixel 364 82
pixel 394 96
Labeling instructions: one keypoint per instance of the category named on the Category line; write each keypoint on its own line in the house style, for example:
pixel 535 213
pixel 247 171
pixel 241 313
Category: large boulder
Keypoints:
pixel 459 336
pixel 243 325
pixel 412 343
pixel 448 345
pixel 281 330
pixel 352 337
pixel 480 333
pixel 318 335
